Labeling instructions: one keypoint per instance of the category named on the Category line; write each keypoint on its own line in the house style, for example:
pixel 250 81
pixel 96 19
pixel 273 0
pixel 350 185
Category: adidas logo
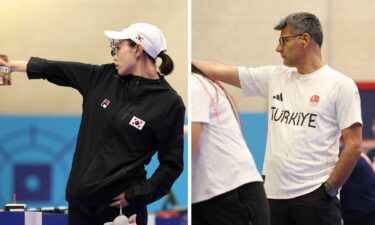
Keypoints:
pixel 278 97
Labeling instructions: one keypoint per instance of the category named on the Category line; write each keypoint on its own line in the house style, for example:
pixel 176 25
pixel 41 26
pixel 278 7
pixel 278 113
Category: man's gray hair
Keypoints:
pixel 303 22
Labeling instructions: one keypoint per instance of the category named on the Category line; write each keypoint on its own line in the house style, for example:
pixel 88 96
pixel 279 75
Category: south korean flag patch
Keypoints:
pixel 137 123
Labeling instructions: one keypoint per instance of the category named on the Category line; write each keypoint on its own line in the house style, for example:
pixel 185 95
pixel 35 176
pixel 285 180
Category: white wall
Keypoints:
pixel 241 32
pixel 73 30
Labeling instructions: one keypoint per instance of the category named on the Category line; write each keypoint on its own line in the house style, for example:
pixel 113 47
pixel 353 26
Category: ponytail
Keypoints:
pixel 166 67
pixel 167 64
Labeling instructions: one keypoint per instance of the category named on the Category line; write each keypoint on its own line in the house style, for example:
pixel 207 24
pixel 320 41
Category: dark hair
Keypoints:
pixel 303 22
pixel 131 42
pixel 167 64
pixel 166 67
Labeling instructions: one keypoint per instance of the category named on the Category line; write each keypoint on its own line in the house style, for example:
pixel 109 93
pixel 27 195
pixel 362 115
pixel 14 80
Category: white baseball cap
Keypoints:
pixel 147 35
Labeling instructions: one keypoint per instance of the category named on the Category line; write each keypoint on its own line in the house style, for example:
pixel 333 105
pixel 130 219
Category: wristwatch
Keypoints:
pixel 329 189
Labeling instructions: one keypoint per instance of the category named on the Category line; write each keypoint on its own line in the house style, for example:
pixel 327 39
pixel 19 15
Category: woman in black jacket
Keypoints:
pixel 130 112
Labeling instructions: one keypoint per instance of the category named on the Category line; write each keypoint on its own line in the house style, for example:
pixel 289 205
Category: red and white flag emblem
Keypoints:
pixel 105 103
pixel 314 100
pixel 137 123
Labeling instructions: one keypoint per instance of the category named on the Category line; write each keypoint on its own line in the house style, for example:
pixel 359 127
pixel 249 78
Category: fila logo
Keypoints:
pixel 314 100
pixel 278 97
pixel 105 103
pixel 137 123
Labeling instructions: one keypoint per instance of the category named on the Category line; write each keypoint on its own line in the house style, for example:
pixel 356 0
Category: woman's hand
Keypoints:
pixel 3 62
pixel 18 66
pixel 119 201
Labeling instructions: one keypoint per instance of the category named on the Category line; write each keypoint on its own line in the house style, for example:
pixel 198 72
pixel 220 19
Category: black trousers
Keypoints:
pixel 94 216
pixel 244 205
pixel 315 208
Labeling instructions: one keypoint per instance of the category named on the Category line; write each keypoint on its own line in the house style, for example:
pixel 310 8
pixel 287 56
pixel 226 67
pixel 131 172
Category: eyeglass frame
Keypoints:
pixel 114 45
pixel 282 39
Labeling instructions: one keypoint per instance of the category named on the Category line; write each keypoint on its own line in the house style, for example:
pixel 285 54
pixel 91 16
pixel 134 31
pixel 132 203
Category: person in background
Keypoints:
pixel 310 105
pixel 226 186
pixel 357 195
pixel 130 112
pixel 371 152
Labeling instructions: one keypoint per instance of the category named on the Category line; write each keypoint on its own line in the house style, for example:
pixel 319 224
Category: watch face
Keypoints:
pixel 330 190
pixel 333 192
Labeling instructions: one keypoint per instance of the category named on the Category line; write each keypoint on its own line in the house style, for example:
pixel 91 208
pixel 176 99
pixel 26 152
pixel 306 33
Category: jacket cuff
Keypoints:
pixel 128 197
pixel 35 68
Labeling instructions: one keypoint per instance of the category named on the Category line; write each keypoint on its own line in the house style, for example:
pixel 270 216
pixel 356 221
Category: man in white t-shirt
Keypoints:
pixel 310 105
pixel 227 188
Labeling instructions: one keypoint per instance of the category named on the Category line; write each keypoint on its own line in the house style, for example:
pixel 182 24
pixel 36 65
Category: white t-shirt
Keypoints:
pixel 306 114
pixel 222 161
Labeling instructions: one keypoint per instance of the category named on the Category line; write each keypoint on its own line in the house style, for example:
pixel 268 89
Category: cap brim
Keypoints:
pixel 115 35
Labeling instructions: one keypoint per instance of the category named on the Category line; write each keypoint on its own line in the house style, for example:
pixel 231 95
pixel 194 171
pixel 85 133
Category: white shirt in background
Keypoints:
pixel 222 161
